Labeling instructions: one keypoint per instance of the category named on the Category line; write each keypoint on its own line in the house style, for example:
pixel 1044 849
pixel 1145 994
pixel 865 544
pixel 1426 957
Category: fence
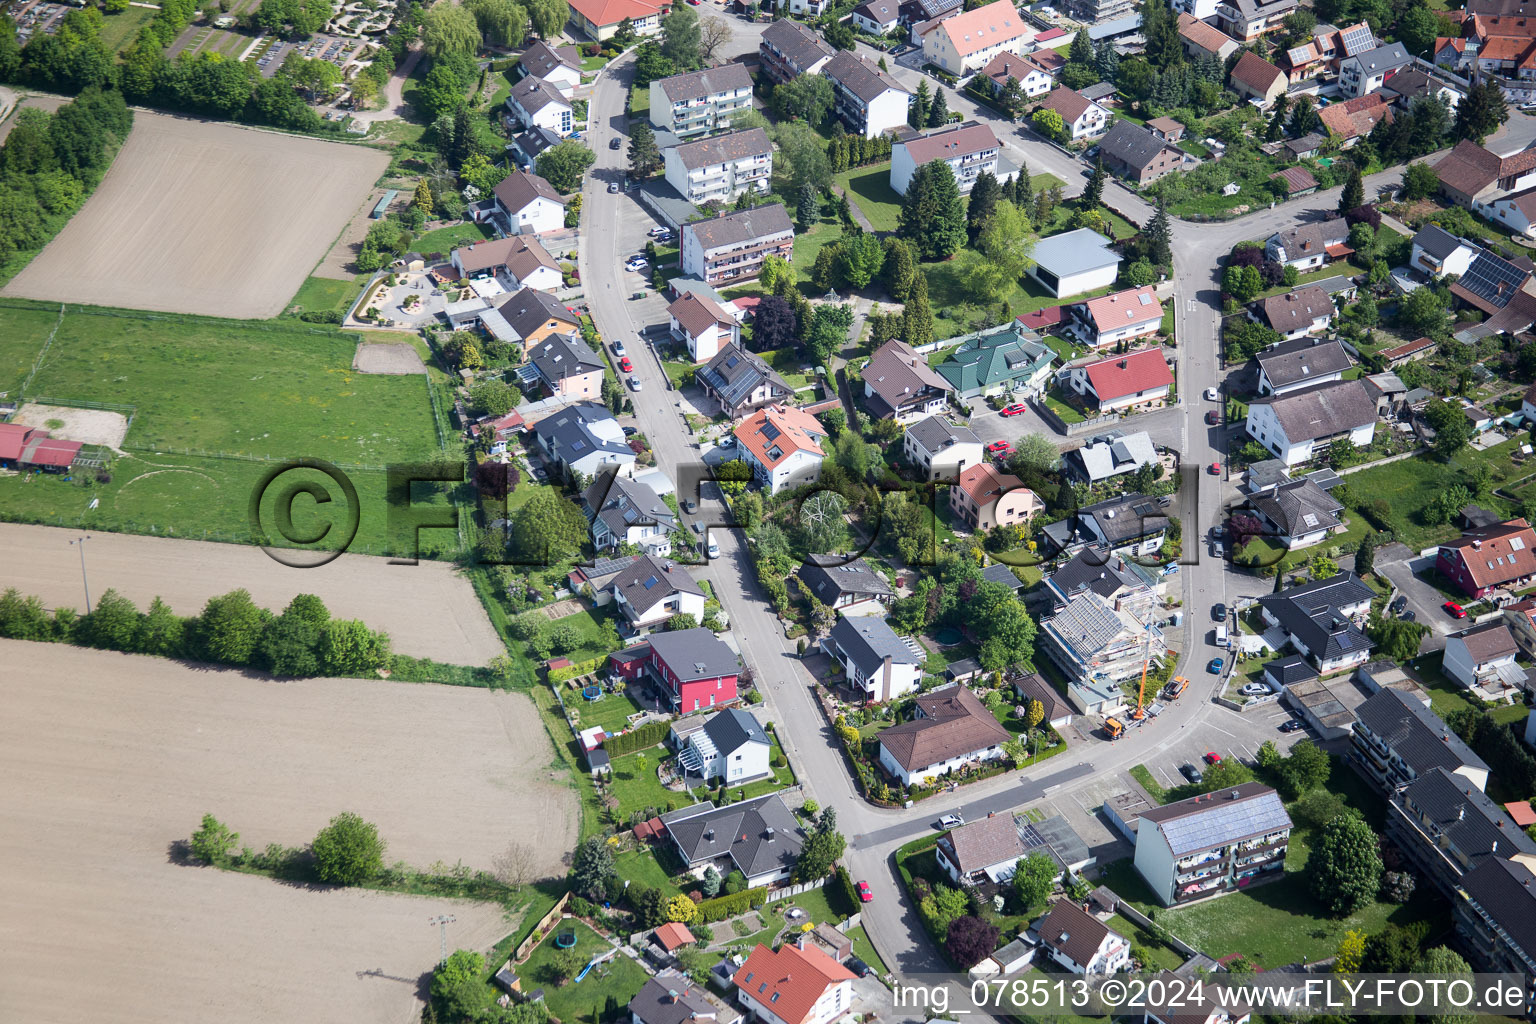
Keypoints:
pixel 794 890
pixel 1072 429
pixel 1135 916
pixel 545 924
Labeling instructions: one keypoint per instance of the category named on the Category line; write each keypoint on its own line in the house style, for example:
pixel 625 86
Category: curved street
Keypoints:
pixel 613 228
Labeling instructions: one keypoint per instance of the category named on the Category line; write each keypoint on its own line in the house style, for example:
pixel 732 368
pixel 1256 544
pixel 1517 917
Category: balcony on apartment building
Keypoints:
pixel 1264 856
pixel 1195 890
pixel 1209 857
pixel 1270 839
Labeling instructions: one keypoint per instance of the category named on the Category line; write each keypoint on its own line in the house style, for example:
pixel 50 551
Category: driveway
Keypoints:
pixel 1402 567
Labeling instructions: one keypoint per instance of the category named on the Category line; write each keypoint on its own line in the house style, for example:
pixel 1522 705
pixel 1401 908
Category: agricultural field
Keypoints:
pixel 202 217
pixel 120 764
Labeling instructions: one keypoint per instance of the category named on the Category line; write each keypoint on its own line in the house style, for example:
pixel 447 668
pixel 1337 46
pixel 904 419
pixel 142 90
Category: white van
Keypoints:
pixel 1221 636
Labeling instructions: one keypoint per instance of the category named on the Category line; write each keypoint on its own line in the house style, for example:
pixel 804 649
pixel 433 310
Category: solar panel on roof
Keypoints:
pixel 1146 300
pixel 1356 39
pixel 650 581
pixel 1492 278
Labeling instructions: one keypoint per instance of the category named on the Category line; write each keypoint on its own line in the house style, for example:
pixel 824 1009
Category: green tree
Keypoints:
pixel 808 97
pixel 1034 454
pixel 1093 192
pixel 860 258
pixel 1354 191
pixel 943 906
pixel 349 648
pixel 448 28
pixel 1050 124
pixel 458 986
pixel 1034 879
pixel 112 625
pixel 1445 963
pixel 938 110
pixel 1224 773
pixel 680 37
pixel 1004 246
pixel 502 22
pixel 291 642
pixel 932 215
pixel 985 193
pixel 1344 870
pixel 1419 181
pixel 916 316
pixel 213 842
pixel 822 848
pixel 1482 112
pixel 441 93
pixel 348 850
pixel 917 109
pixel 1452 428
pixel 591 866
pixel 1365 554
pixel 549 17
pixel 161 631
pixel 563 165
pixel 493 398
pixel 1159 234
pixel 1396 638
pixel 644 156
pixel 900 269
pixel 549 530
pixel 230 628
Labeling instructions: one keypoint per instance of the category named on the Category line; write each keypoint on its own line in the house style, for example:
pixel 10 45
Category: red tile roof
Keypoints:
pixel 611 12
pixel 1256 73
pixel 1119 376
pixel 789 981
pixel 1297 179
pixel 984 27
pixel 1209 39
pixel 985 484
pixel 672 935
pixel 1520 810
pixel 1122 309
pixel 14 438
pixel 1491 554
pixel 780 428
pixel 1050 316
pixel 1408 348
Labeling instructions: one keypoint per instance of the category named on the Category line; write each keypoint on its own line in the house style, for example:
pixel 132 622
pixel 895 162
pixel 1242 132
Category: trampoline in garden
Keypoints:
pixel 948 637
pixel 592 692
pixel 565 940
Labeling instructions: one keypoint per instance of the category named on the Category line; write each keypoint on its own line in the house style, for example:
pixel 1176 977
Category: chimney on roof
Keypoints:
pixel 1123 364
pixel 770 833
pixel 672 995
pixel 709 833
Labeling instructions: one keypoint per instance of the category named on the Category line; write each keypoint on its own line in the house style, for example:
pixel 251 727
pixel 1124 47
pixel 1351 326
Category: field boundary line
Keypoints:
pixel 42 353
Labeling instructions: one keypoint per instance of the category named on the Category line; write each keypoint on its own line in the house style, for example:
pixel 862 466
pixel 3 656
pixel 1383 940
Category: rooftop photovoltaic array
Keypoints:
pixel 1357 39
pixel 1225 821
pixel 1492 278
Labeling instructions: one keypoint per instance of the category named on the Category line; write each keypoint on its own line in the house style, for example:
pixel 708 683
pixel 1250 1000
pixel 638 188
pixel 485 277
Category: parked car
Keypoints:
pixel 1015 409
pixel 1255 689
pixel 999 448
pixel 1290 725
pixel 618 349
pixel 689 505
pixel 698 528
pixel 1215 469
pixel 614 143
pixel 865 895
pixel 631 431
pixel 858 967
pixel 1213 417
pixel 634 383
pixel 1190 772
pixel 613 186
pixel 1212 395
pixel 1214 666
pixel 1456 610
pixel 1219 612
pixel 636 263
pixel 626 365
pixel 951 821
pixel 1399 603
pixel 1211 757
pixel 713 550
pixel 1409 616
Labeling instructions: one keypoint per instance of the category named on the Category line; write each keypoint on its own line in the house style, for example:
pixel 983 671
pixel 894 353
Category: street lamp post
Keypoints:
pixel 80 543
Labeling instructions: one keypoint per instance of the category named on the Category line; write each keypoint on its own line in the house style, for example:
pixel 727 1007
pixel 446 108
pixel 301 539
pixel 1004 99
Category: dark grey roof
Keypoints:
pixel 726 148
pixel 1505 890
pixel 1463 818
pixel 931 9
pixel 1299 508
pixel 1322 411
pixel 936 433
pixel 799 45
pixel 1132 145
pixel 1383 58
pixel 1311 613
pixel 568 434
pixel 827 576
pixel 696 85
pixel 694 653
pixel 732 729
pixel 561 355
pixel 534 94
pixel 650 580
pixel 1095 569
pixel 536 140
pixel 1418 735
pixel 1000 573
pixel 1098 90
pixel 881 12
pixel 671 998
pixel 859 76
pixel 1215 819
pixel 1290 670
pixel 1112 455
pixel 868 640
pixel 1126 518
pixel 621 502
pixel 760 834
pixel 1269 473
pixel 540 59
pixel 527 310
pixel 735 373
pixel 1436 241
pixel 741 226
pixel 1493 279
pixel 1308 143
pixel 1312 238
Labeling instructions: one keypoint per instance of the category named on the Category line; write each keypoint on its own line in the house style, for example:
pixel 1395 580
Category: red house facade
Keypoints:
pixel 1485 559
pixel 698 671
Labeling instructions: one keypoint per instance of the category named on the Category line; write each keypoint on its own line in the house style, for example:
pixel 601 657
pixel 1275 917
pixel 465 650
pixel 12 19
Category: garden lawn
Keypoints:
pixel 589 625
pixel 865 950
pixel 1067 413
pixel 639 101
pixel 637 788
pixel 611 712
pixel 121 29
pixel 1152 786
pixel 320 293
pixel 1409 486
pixel 950 297
pixel 641 866
pixel 1160 956
pixel 444 240
pixel 869 188
pixel 619 977
pixel 807 245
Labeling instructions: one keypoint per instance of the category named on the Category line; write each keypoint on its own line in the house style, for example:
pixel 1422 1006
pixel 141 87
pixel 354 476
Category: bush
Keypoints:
pixel 348 850
pixel 648 735
pixel 722 907
pixel 579 668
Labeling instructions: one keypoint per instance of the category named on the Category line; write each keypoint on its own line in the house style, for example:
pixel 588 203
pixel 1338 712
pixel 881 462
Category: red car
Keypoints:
pixel 999 447
pixel 1211 757
pixel 1213 417
pixel 626 365
pixel 1455 609
pixel 865 896
pixel 1215 469
pixel 1014 409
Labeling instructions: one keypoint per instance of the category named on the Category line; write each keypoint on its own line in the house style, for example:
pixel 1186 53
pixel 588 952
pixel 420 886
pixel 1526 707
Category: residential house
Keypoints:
pixel 1105 458
pixel 1305 148
pixel 1354 119
pixel 794 985
pixel 1496 918
pixel 567 368
pixel 1080 942
pixel 1034 80
pixel 899 384
pixel 1528 404
pixel 1520 617
pixel 1254 78
pixel 533 316
pixel 987 849
pixel 1132 524
pixel 720 168
pixel 1309 246
pixel 1098 647
pixel 1195 10
pixel 1032 686
pixel 1167 129
pixel 1008 358
pixel 732 746
pixel 1482 659
pixel 1322 619
pixel 846 585
pixel 1082 117
pixel 1200 39
pixel 1294 315
pixel 625 511
pixel 1121 317
pixel 782 445
pixel 700 101
pixel 789 49
pixel 917 13
pixel 1298 425
pixel 1298 514
pixel 877 662
pixel 1366 72
pixel 1414 82
pixel 1075 261
pixel 1124 382
pixel 1447 827
pixel 1123 585
pixel 526 146
pixel 1489 558
pixel 1493 284
pixel 968 149
pixel 559 66
pixel 758 837
pixel 653 590
pixel 1246 20
pixel 1451 52
pixel 584 438
pixel 599 20
pixel 1471 175
pixel 1134 153
pixel 866 99
pixel 968 40
pixel 534 103
pixel 984 497
pixel 741 381
pixel 523 204
pixel 513 262
pixel 731 247
pixel 1438 253
pixel 672 997
pixel 1306 362
pixel 1396 739
pixel 694 668
pixel 1212 844
pixel 952 729
pixel 703 325
pixel 876 17
pixel 939 450
pixel 1516 212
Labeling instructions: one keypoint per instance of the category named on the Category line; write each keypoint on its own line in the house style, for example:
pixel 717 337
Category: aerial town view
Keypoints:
pixel 783 512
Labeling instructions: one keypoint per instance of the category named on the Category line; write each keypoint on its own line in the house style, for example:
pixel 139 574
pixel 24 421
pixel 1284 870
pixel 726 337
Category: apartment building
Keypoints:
pixel 534 103
pixel 721 167
pixel 788 50
pixel 1246 20
pixel 1396 740
pixel 733 246
pixel 1212 844
pixel 968 149
pixel 1447 827
pixel 1496 918
pixel 967 41
pixel 866 99
pixel 700 101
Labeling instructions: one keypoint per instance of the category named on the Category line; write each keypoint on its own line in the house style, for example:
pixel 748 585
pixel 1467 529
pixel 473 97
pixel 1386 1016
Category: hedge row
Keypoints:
pixel 648 735
pixel 575 669
pixel 722 907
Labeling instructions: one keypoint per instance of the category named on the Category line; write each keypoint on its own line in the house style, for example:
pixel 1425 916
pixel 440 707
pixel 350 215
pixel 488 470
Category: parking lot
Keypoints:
pixel 1225 732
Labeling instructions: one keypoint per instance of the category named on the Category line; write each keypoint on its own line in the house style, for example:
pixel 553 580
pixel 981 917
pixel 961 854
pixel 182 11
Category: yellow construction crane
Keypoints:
pixel 1141 691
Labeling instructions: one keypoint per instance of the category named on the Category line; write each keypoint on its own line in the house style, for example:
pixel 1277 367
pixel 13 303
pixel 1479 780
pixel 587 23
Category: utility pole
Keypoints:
pixel 86 580
pixel 442 921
